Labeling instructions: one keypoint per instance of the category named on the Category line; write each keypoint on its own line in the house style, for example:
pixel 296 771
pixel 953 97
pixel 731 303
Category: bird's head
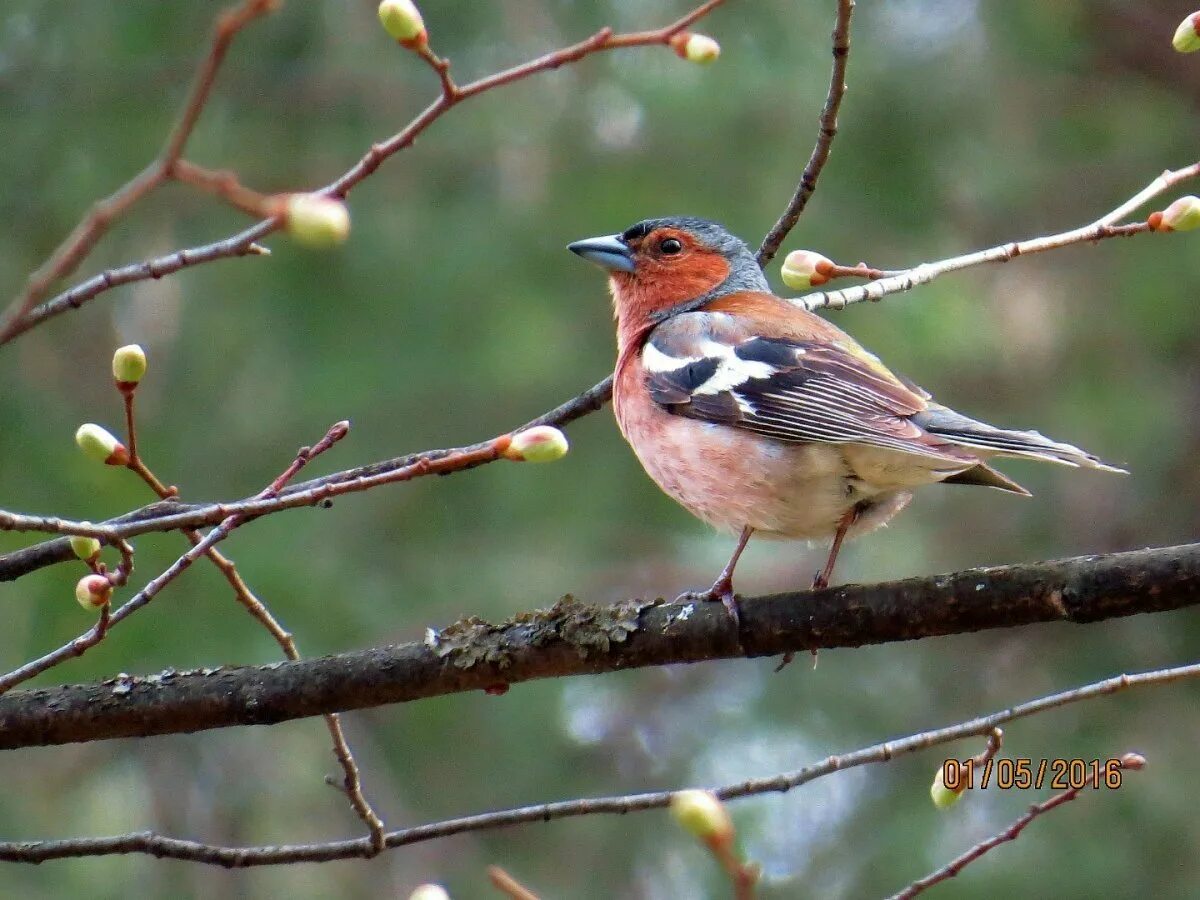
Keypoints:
pixel 660 267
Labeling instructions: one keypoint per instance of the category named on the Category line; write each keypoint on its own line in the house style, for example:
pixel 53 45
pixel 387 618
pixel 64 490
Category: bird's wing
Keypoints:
pixel 714 367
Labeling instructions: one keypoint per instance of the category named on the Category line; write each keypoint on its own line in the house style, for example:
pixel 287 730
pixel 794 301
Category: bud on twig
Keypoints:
pixel 702 815
pixel 402 20
pixel 1133 761
pixel 100 445
pixel 803 269
pixel 429 892
pixel 129 365
pixel 697 48
pixel 86 548
pixel 542 443
pixel 1182 215
pixel 1187 35
pixel 317 221
pixel 944 797
pixel 93 591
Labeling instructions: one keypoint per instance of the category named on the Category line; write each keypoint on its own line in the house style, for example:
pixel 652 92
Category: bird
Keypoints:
pixel 762 418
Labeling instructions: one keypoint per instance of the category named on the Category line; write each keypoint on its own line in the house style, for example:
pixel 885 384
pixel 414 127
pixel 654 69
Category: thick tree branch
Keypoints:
pixel 160 846
pixel 574 638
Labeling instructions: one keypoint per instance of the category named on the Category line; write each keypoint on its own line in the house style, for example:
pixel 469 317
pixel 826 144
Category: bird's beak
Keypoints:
pixel 608 252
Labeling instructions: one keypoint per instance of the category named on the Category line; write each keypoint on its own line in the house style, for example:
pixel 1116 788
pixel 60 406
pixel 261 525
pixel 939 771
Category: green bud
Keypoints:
pixel 804 269
pixel 1182 215
pixel 697 48
pixel 1187 35
pixel 702 815
pixel 100 445
pixel 543 443
pixel 129 364
pixel 942 796
pixel 86 548
pixel 402 20
pixel 317 221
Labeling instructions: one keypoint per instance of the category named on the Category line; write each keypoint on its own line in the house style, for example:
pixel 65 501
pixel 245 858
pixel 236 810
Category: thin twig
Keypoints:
pixel 225 185
pixel 506 884
pixel 80 242
pixel 1103 228
pixel 153 844
pixel 24 314
pixel 441 462
pixel 825 135
pixel 1131 761
pixel 93 636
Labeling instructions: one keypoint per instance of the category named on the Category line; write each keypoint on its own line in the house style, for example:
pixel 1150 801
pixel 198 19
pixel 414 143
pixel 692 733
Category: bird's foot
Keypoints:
pixel 719 591
pixel 819 583
pixel 790 655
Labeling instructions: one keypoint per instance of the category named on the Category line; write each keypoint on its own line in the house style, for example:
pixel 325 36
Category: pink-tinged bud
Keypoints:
pixel 129 365
pixel 429 892
pixel 1187 35
pixel 1182 215
pixel 1133 761
pixel 100 445
pixel 317 221
pixel 697 48
pixel 543 443
pixel 702 815
pixel 86 548
pixel 944 796
pixel 402 20
pixel 804 269
pixel 93 591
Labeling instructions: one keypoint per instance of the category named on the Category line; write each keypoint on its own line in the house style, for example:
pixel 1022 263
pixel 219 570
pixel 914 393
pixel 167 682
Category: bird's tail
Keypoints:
pixel 958 429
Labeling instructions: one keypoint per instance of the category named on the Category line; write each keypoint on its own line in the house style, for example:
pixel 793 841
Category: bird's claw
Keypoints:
pixel 727 597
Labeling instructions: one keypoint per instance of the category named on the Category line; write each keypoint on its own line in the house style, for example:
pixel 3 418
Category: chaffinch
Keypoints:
pixel 760 417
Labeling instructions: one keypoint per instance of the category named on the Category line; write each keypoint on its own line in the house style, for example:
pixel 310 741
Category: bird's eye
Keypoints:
pixel 670 246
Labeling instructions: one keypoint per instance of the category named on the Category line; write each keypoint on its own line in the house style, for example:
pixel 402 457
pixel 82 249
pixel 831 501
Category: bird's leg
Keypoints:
pixel 821 581
pixel 722 588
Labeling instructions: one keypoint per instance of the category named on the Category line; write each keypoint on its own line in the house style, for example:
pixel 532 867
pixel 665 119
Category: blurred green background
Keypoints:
pixel 454 313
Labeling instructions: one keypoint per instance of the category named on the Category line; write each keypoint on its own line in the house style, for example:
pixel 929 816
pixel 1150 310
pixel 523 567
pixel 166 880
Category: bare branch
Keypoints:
pixel 181 515
pixel 92 637
pixel 575 638
pixel 149 843
pixel 508 885
pixel 80 242
pixel 1104 227
pixel 24 315
pixel 825 135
